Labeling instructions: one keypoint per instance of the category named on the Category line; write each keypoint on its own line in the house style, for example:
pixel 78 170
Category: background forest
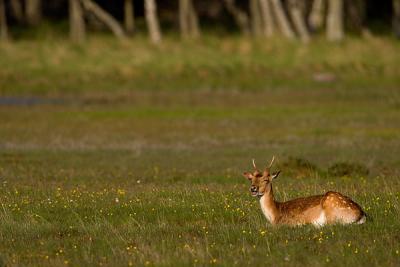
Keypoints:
pixel 289 18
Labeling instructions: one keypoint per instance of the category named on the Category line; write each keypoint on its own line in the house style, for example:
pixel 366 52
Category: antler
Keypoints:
pixel 272 161
pixel 254 164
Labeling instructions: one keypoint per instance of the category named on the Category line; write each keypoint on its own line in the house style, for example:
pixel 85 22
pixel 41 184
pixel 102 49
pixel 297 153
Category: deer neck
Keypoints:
pixel 268 205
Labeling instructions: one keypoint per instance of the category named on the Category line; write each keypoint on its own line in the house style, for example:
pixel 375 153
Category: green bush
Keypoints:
pixel 348 169
pixel 299 167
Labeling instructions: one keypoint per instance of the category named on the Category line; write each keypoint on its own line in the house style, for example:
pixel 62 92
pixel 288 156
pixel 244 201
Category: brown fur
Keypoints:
pixel 291 209
pixel 338 207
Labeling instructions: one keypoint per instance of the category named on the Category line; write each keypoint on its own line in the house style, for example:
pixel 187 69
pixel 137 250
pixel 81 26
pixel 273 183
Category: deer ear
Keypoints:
pixel 275 175
pixel 247 175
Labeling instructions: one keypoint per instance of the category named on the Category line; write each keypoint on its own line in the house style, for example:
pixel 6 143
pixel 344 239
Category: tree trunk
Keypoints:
pixel 355 14
pixel 188 20
pixel 76 21
pixel 193 21
pixel 266 15
pixel 152 21
pixel 239 16
pixel 183 17
pixel 17 10
pixel 296 11
pixel 256 23
pixel 396 18
pixel 3 22
pixel 33 9
pixel 282 20
pixel 317 15
pixel 129 16
pixel 104 17
pixel 334 23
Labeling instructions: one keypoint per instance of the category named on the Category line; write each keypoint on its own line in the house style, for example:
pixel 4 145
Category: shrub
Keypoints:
pixel 348 169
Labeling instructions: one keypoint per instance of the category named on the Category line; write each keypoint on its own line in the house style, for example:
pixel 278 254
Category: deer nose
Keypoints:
pixel 253 188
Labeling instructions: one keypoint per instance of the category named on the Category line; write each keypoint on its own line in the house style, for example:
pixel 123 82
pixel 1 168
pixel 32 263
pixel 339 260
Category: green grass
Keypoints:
pixel 52 216
pixel 182 224
pixel 129 170
pixel 160 183
pixel 54 66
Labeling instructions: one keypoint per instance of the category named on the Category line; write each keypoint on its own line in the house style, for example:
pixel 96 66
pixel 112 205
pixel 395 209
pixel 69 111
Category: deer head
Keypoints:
pixel 261 181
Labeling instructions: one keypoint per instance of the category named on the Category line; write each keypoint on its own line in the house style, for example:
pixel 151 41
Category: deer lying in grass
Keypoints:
pixel 330 208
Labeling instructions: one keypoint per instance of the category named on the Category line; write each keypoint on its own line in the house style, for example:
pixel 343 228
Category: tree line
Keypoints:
pixel 292 19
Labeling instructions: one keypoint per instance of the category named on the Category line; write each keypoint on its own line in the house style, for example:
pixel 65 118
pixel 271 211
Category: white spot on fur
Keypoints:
pixel 321 220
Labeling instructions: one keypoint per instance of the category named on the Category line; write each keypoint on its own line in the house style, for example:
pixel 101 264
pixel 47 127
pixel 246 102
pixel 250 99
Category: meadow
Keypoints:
pixel 125 154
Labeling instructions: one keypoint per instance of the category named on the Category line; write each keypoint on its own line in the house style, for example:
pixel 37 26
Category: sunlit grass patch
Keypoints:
pixel 105 65
pixel 175 224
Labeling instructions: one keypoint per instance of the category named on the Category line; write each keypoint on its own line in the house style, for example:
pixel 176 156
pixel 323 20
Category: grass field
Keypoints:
pixel 53 66
pixel 111 171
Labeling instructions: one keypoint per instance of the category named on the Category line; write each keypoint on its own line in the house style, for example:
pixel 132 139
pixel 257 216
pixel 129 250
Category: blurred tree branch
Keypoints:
pixel 104 17
pixel 296 9
pixel 240 17
pixel 282 20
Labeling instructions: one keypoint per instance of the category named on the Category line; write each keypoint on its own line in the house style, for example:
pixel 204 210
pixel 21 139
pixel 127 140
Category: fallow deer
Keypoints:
pixel 329 208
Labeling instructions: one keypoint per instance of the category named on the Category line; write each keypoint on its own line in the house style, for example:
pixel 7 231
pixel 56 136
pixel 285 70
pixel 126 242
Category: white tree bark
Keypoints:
pixel 104 17
pixel 282 20
pixel 152 21
pixel 298 18
pixel 76 21
pixel 129 16
pixel 316 18
pixel 267 19
pixel 334 23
